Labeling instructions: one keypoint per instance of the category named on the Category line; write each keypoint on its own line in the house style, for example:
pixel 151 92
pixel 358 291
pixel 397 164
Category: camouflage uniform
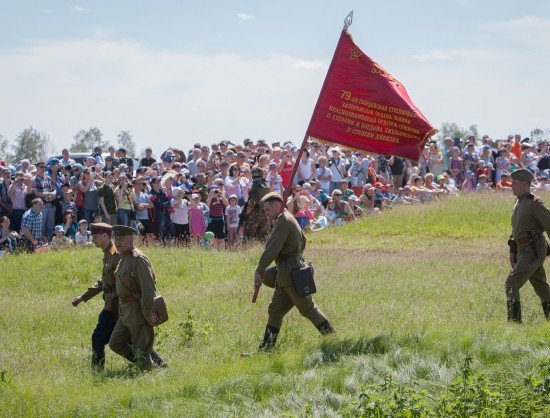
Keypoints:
pixel 255 225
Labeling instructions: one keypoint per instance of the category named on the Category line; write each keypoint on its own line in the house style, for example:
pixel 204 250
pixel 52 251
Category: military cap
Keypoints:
pixel 122 230
pixel 101 228
pixel 523 174
pixel 271 197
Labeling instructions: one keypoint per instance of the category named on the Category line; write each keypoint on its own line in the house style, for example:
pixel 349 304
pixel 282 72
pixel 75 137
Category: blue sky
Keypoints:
pixel 175 72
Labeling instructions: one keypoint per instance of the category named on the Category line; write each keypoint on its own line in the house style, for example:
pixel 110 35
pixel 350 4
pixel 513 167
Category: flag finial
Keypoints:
pixel 348 21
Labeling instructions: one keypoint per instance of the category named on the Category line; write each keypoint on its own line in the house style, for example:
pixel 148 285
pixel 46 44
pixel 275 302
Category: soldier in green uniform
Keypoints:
pixel 255 226
pixel 284 246
pixel 133 335
pixel 528 247
pixel 101 237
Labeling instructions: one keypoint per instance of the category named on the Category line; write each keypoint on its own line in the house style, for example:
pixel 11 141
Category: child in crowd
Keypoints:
pixel 330 213
pixel 180 216
pixel 232 214
pixel 483 184
pixel 68 203
pixel 274 179
pixel 197 223
pixel 69 224
pixel 207 242
pixel 321 221
pixel 59 240
pixel 303 215
pixel 83 237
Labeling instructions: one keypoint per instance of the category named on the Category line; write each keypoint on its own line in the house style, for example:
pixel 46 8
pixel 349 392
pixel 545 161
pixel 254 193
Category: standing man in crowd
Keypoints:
pixel 6 207
pixel 31 225
pixel 107 200
pixel 43 187
pixel 284 246
pixel 101 238
pixel 528 247
pixel 148 160
pixel 133 335
pixel 121 154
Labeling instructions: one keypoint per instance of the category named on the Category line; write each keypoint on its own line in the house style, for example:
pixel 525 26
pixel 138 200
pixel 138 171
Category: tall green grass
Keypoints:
pixel 416 295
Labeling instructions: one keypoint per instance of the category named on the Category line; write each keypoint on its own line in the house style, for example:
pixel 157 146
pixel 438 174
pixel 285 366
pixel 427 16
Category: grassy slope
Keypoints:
pixel 410 292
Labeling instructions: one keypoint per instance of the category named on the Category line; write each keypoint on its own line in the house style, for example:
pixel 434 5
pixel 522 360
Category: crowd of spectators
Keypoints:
pixel 202 197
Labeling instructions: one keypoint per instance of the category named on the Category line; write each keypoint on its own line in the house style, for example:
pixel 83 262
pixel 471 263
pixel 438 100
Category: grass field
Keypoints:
pixel 416 295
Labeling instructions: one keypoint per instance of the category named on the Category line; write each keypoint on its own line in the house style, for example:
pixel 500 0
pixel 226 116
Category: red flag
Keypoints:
pixel 362 106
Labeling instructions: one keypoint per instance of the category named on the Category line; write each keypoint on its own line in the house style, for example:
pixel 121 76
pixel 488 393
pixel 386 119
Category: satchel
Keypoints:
pixel 302 279
pixel 160 311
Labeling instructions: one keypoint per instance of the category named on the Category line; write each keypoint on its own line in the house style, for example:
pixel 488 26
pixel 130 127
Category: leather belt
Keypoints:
pixel 525 240
pixel 127 299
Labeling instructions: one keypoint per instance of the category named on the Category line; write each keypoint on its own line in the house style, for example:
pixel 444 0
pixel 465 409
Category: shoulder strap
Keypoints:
pixel 133 275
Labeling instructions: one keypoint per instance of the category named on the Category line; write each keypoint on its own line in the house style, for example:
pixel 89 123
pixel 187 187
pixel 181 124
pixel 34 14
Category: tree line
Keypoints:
pixel 36 146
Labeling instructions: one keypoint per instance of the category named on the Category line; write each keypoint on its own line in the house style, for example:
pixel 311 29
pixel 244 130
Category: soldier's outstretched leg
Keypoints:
pixel 100 338
pixel 546 310
pixel 325 328
pixel 98 360
pixel 514 311
pixel 270 337
pixel 522 271
pixel 157 360
pixel 307 307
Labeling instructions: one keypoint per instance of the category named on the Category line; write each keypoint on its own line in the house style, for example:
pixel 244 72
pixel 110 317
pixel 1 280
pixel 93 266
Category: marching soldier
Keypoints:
pixel 528 247
pixel 284 246
pixel 133 335
pixel 101 238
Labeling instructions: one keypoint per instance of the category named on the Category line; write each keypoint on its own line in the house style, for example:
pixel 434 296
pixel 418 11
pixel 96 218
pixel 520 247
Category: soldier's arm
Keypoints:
pixel 146 282
pixel 542 215
pixel 92 291
pixel 273 245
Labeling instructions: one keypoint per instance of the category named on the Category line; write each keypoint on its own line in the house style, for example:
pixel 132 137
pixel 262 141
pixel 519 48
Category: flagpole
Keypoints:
pixel 347 23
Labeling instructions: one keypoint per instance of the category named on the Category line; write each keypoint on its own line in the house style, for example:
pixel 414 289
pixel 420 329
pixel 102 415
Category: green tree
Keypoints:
pixel 32 145
pixel 86 141
pixel 126 141
pixel 5 149
pixel 538 134
pixel 451 129
pixel 472 131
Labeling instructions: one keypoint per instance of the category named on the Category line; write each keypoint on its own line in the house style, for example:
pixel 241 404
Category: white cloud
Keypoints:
pixel 435 55
pixel 79 9
pixel 45 11
pixel 164 98
pixel 531 31
pixel 244 16
pixel 310 65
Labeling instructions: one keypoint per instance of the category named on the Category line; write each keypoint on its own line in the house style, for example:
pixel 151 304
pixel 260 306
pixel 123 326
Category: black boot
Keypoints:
pixel 98 360
pixel 325 328
pixel 157 360
pixel 270 336
pixel 514 311
pixel 546 310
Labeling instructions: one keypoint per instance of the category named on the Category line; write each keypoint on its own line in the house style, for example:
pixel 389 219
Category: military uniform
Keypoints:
pixel 285 246
pixel 133 336
pixel 108 316
pixel 530 219
pixel 255 225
